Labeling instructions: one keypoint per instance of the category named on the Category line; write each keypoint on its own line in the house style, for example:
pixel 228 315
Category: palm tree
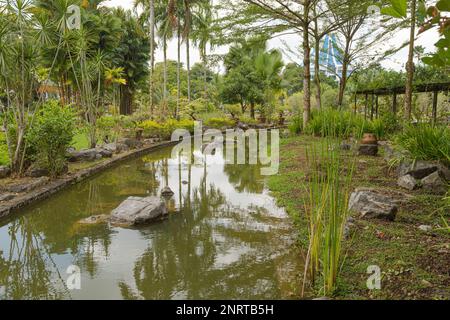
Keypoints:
pixel 148 14
pixel 201 36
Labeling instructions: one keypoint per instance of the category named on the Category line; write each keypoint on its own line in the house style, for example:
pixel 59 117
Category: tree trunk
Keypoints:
pixel 125 101
pixel 317 64
pixel 307 70
pixel 152 51
pixel 178 70
pixel 343 82
pixel 252 110
pixel 410 64
pixel 165 67
pixel 188 66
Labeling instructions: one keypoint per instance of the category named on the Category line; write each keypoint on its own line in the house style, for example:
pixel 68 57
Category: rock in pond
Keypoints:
pixel 435 184
pixel 94 220
pixel 408 182
pixel 4 172
pixel 372 205
pixel 137 211
pixel 167 192
pixel 131 143
pixel 368 150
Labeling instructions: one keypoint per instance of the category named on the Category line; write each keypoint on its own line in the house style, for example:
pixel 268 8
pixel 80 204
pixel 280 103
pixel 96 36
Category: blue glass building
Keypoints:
pixel 330 57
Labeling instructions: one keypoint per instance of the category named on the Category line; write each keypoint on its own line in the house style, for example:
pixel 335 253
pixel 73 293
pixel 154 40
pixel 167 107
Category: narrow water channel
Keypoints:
pixel 225 238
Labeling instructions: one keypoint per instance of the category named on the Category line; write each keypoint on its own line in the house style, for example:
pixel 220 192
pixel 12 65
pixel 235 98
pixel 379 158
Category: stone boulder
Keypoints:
pixel 345 146
pixel 116 147
pixel 418 169
pixel 368 150
pixel 408 182
pixel 27 186
pixel 94 220
pixel 435 184
pixel 131 143
pixel 372 205
pixel 105 153
pixel 137 211
pixel 4 172
pixel 84 155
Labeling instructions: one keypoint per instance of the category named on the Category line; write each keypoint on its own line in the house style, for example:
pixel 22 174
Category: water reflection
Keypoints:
pixel 225 238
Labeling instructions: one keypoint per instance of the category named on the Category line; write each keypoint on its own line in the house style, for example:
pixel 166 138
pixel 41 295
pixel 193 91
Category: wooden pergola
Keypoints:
pixel 435 88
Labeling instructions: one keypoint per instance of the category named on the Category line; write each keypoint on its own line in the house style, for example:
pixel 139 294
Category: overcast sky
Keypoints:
pixel 396 62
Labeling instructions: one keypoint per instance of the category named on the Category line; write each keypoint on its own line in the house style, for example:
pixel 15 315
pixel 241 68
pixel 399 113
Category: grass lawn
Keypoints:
pixel 414 264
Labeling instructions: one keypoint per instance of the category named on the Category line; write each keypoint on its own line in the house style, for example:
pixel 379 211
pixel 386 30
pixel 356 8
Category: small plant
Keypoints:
pixel 425 142
pixel 51 135
pixel 151 128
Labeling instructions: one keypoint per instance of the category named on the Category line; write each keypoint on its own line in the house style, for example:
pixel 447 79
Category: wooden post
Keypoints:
pixel 435 103
pixel 372 106
pixel 376 104
pixel 394 103
pixel 366 106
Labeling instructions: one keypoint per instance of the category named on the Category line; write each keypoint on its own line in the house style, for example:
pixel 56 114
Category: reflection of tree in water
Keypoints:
pixel 245 178
pixel 27 271
pixel 161 272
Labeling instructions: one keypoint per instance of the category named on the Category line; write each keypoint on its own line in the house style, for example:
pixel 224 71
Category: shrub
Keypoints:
pixel 234 110
pixel 220 123
pixel 151 128
pixel 296 124
pixel 425 142
pixel 248 120
pixel 4 157
pixel 51 135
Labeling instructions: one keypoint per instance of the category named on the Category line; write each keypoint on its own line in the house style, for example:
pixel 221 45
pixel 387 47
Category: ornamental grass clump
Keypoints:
pixel 326 207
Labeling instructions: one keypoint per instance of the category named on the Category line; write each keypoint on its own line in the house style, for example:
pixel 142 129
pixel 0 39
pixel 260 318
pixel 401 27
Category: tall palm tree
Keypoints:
pixel 148 14
pixel 165 23
pixel 201 36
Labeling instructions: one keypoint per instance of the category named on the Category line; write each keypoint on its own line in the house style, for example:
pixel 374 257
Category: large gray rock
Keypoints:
pixel 408 182
pixel 418 169
pixel 138 211
pixel 372 205
pixel 131 143
pixel 435 184
pixel 4 172
pixel 105 153
pixel 84 155
pixel 116 147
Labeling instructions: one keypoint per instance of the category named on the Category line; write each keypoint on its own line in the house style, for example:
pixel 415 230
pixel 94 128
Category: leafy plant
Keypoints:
pixel 51 135
pixel 425 142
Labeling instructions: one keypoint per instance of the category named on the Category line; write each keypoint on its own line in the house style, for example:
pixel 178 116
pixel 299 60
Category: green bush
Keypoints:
pixel 425 142
pixel 51 135
pixel 220 123
pixel 4 157
pixel 296 124
pixel 164 130
pixel 248 120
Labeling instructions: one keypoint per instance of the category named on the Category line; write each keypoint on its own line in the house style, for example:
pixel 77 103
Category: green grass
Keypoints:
pixel 414 263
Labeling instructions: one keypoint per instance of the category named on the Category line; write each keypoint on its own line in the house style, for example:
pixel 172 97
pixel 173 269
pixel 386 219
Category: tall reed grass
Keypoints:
pixel 326 207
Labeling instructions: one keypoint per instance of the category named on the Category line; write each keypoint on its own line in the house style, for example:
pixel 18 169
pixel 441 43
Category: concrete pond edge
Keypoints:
pixel 54 186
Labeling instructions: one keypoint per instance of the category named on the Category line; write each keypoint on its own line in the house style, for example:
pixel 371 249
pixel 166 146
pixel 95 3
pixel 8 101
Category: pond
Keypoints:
pixel 225 237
